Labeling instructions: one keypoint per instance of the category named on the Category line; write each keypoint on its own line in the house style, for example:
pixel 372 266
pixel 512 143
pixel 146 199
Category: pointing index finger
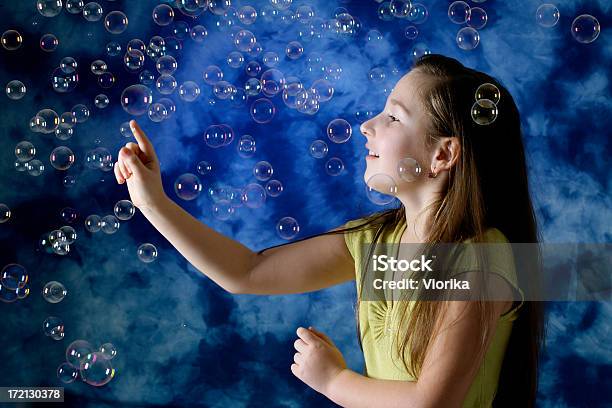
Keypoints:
pixel 143 141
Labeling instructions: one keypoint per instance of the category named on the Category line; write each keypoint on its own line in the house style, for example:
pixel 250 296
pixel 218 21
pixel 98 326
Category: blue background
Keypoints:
pixel 181 338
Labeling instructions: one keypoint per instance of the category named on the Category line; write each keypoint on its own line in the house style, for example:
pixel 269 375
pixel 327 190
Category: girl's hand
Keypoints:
pixel 318 361
pixel 137 165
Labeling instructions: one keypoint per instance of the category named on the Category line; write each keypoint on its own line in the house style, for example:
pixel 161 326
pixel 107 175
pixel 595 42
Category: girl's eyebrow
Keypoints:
pixel 397 103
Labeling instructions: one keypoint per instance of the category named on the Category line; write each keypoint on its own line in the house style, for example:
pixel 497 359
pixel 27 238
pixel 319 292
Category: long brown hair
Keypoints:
pixel 488 187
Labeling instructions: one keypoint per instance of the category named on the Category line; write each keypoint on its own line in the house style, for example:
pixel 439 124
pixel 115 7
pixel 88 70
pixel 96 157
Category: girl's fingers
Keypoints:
pixel 299 345
pixel 118 175
pixel 297 357
pixel 124 169
pixel 306 335
pixel 143 141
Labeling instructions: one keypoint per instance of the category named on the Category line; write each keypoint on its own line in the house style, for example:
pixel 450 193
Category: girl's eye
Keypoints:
pixel 393 118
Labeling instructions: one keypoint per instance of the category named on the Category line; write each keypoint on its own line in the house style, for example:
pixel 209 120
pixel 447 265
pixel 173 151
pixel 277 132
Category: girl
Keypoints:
pixel 417 353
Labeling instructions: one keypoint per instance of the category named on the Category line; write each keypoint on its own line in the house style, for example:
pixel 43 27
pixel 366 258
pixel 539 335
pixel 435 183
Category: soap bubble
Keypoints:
pixel 165 84
pixel 48 42
pixel 339 131
pixel 137 45
pixel 13 276
pixel 157 112
pixel 92 11
pixel 400 8
pixel 106 80
pixel 409 169
pixel 180 29
pixel 274 188
pixel 68 65
pixel 235 59
pixel 468 38
pixel 125 129
pixel 204 167
pixel 334 166
pixel 147 253
pixel 215 136
pixel 411 32
pixel 93 223
pixel 247 15
pixel 187 186
pixel 212 74
pixel 318 149
pixel 113 49
pixel 477 18
pixel 23 292
pixel 53 327
pixel 136 99
pixel 419 50
pixel 253 195
pixel 262 110
pixel 115 22
pixel 381 189
pixel 133 60
pixel 458 12
pixel 70 233
pixel 484 112
pixel 252 68
pixel 287 228
pixel 163 14
pixel 98 67
pixel 11 40
pixel 223 89
pixel 585 29
pixel 80 112
pixel 49 8
pixel 244 40
pixel 246 146
pixel 7 295
pixel 62 158
pixel 69 214
pixel 77 351
pixel 15 90
pixel 263 170
pixel 189 91
pixel 48 120
pixel 169 104
pixel 67 120
pixel 166 65
pixel 146 77
pixel 488 91
pixel 322 89
pixel 109 224
pixel 67 373
pixel 108 351
pixel 124 210
pixel 294 50
pixel 101 101
pixel 198 33
pixel 25 151
pixel 74 6
pixel 63 82
pixel 54 292
pixel 418 13
pixel 5 213
pixel 35 167
pixel 547 15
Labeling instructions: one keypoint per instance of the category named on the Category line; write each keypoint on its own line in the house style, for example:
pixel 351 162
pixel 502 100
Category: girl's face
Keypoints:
pixel 396 133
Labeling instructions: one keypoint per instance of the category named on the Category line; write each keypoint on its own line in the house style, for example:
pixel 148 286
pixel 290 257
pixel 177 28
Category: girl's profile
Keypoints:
pixel 470 185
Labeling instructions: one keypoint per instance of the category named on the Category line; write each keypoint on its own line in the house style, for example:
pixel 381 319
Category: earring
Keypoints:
pixel 432 175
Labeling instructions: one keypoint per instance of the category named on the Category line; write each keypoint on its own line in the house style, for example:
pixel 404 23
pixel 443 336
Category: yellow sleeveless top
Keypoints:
pixel 376 317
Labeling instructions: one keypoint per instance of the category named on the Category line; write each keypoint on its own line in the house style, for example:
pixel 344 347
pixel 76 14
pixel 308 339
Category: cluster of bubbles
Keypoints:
pixel 381 188
pixel 94 367
pixel 123 210
pixel 484 110
pixel 585 28
pixel 14 283
pixel 58 241
pixel 459 12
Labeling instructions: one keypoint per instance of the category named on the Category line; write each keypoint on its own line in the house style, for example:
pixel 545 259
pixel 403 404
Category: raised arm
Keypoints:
pixel 298 267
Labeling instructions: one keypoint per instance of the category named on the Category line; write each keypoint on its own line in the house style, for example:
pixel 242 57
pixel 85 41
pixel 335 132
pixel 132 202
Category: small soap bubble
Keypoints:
pixel 477 18
pixel 381 189
pixel 124 210
pixel 108 350
pixel 113 49
pixel 11 40
pixel 189 91
pixel 287 228
pixel 166 65
pixel 222 210
pixel 146 77
pixel 484 112
pixel 163 14
pixel 109 224
pixel 212 74
pixel 14 276
pixel 187 186
pixel 93 223
pixel 136 99
pixel 101 101
pixel 262 110
pixel 253 195
pixel 25 151
pixel 547 15
pixel 274 188
pixel 53 327
pixel 339 130
pixel 322 89
pixel 409 169
pixel 35 167
pixel 48 42
pixel 147 253
pixel 246 146
pixel 318 149
pixel 115 22
pixel 125 129
pixel 48 120
pixel 70 233
pixel 75 6
pixel 98 67
pixel 67 373
pixel 106 80
pixel 411 32
pixel 69 214
pixel 294 50
pixel 92 11
pixel 49 8
pixel 169 104
pixel 15 90
pixel 5 213
pixel 68 65
pixel 458 12
pixel 62 158
pixel 157 112
pixel 468 38
pixel 54 292
pixel 585 29
pixel 263 170
pixel 165 84
pixel 8 295
pixel 198 33
pixel 334 166
pixel 77 351
pixel 488 91
pixel 204 168
pixel 80 112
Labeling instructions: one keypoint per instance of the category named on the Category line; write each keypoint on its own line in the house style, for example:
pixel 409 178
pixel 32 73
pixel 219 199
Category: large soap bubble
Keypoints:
pixel 15 90
pixel 11 40
pixel 163 14
pixel 585 29
pixel 115 22
pixel 135 99
pixel 49 8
